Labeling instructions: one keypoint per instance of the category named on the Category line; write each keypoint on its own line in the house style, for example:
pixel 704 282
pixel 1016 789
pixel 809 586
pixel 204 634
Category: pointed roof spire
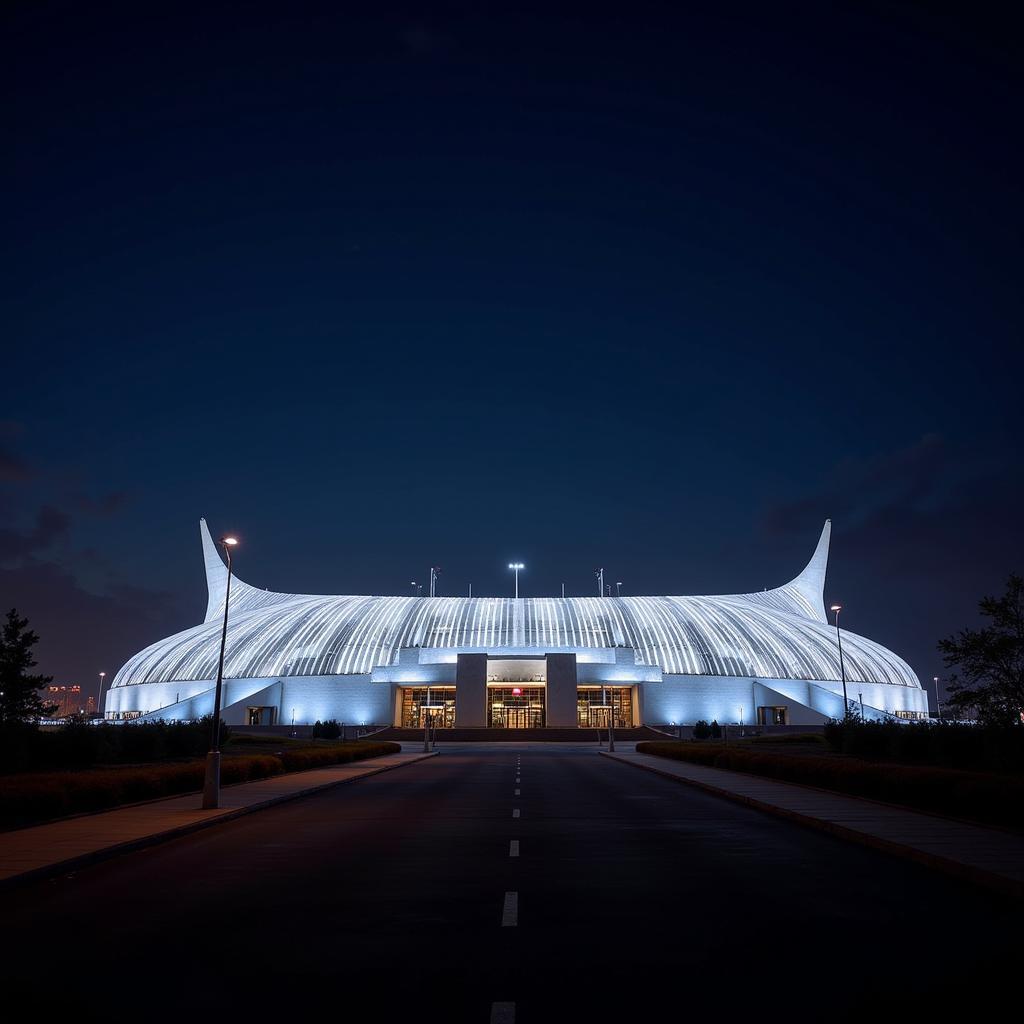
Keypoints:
pixel 216 573
pixel 810 584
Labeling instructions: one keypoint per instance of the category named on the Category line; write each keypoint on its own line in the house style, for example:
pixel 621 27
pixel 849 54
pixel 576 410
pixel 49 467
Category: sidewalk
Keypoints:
pixel 41 850
pixel 986 856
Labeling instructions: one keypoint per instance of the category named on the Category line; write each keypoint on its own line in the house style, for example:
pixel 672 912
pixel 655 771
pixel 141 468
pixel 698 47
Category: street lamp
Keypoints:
pixel 599 573
pixel 618 589
pixel 211 784
pixel 938 706
pixel 837 608
pixel 99 695
pixel 515 567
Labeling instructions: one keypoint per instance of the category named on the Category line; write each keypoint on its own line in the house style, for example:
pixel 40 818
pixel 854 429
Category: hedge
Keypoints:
pixel 30 799
pixel 978 748
pixel 993 799
pixel 79 744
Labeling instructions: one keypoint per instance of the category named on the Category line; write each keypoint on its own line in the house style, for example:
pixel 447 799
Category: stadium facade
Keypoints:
pixel 762 658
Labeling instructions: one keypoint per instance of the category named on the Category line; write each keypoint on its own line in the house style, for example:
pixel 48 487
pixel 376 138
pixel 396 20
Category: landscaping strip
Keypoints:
pixel 61 846
pixel 975 796
pixel 988 857
pixel 31 799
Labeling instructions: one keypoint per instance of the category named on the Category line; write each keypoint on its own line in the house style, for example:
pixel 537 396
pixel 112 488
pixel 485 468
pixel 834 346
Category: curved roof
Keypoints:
pixel 776 634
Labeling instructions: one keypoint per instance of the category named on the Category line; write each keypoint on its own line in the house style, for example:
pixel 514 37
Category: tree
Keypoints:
pixel 991 660
pixel 20 700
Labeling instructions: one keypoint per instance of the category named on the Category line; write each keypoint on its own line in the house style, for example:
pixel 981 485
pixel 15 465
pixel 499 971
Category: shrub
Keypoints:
pixel 329 730
pixel 701 730
pixel 341 753
pixel 81 745
pixel 29 799
pixel 944 744
pixel 716 730
pixel 991 798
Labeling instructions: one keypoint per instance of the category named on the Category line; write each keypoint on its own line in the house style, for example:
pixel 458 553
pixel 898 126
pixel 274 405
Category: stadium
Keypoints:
pixel 769 658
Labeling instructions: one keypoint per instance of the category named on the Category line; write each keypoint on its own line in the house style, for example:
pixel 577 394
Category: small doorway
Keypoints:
pixel 262 716
pixel 773 715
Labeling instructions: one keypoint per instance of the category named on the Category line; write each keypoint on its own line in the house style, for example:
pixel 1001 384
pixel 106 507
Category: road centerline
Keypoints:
pixel 510 910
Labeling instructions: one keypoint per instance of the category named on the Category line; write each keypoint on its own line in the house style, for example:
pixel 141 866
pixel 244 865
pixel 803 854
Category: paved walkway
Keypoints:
pixel 74 842
pixel 988 856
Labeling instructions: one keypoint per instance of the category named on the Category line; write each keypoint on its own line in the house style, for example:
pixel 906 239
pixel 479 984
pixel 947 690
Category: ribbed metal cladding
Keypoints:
pixel 775 634
pixel 306 635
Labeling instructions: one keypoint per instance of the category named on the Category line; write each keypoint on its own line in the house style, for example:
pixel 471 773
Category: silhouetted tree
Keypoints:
pixel 991 660
pixel 20 700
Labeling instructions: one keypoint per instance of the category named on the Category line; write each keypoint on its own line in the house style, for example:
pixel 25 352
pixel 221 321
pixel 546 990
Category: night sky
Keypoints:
pixel 386 287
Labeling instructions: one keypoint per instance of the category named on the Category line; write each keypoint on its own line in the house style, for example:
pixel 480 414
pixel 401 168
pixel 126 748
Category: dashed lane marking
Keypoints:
pixel 510 911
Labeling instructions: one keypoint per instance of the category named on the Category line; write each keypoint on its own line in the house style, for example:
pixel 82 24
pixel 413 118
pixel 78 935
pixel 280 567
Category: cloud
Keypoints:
pixel 919 535
pixel 51 524
pixel 13 468
pixel 105 505
pixel 83 633
pixel 855 490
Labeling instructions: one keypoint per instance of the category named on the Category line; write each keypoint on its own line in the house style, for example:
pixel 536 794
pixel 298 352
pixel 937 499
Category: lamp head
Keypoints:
pixel 230 541
pixel 836 607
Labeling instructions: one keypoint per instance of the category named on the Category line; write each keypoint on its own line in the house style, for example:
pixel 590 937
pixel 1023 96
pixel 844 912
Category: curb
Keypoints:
pixel 965 872
pixel 108 852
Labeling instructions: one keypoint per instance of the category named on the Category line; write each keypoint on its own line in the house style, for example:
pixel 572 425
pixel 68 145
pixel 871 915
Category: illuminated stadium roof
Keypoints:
pixel 777 634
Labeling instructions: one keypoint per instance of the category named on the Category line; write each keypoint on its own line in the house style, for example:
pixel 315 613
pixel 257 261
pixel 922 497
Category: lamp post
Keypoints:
pixel 938 706
pixel 412 583
pixel 99 695
pixel 515 567
pixel 837 608
pixel 599 573
pixel 618 589
pixel 211 784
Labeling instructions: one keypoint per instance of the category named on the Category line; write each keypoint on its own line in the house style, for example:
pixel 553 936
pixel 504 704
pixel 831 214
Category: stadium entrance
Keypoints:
pixel 515 707
pixel 596 706
pixel 436 701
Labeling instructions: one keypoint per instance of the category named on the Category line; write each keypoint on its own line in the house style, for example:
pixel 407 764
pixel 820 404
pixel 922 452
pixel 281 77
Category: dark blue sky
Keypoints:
pixel 647 289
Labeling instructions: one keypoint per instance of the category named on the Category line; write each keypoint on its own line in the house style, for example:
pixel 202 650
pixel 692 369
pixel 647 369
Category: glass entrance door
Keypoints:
pixel 515 707
pixel 437 702
pixel 596 705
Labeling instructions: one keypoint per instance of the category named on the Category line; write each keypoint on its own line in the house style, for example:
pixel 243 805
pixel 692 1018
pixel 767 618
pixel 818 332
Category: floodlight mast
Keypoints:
pixel 515 567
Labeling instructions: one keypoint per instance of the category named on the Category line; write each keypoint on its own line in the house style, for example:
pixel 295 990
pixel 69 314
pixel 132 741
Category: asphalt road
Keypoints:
pixel 399 898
